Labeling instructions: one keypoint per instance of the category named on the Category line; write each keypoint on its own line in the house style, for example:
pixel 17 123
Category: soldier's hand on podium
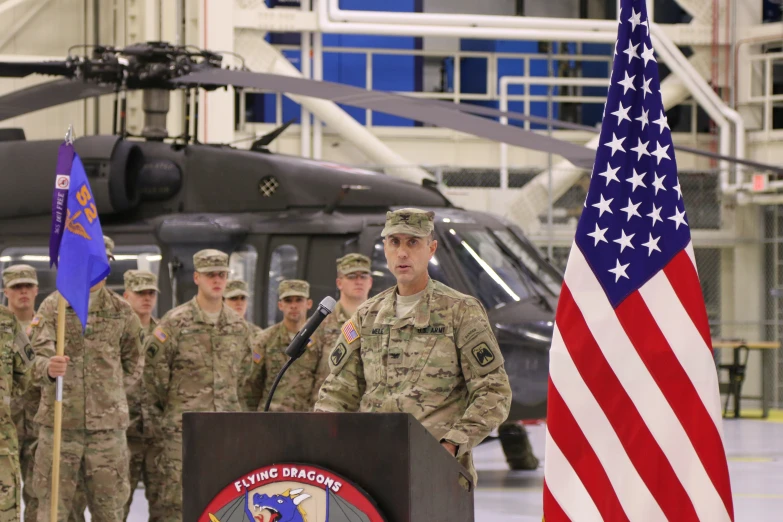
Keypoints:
pixel 451 448
pixel 57 366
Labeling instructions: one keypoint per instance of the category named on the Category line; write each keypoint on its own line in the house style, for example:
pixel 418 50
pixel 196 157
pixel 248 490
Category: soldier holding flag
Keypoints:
pixel 102 336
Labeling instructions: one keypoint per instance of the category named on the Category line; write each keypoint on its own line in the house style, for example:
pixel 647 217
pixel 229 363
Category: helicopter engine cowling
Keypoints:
pixel 27 172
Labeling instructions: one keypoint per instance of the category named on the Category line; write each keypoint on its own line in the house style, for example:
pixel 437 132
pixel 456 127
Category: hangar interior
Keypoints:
pixel 721 67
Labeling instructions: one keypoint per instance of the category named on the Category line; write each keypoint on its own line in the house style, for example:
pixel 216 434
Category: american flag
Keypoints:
pixel 634 420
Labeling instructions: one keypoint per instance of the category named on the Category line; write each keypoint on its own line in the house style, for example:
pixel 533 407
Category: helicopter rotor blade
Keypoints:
pixel 49 94
pixel 395 104
pixel 22 69
pixel 520 116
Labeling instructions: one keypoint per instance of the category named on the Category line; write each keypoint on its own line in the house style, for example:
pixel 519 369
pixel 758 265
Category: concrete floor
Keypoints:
pixel 755 450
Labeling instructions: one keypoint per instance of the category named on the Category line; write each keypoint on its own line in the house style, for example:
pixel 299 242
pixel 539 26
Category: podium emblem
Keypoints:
pixel 291 493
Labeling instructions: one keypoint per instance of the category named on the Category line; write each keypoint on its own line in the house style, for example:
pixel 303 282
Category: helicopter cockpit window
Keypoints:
pixel 282 265
pixel 546 275
pixel 138 257
pixel 242 263
pixel 382 278
pixel 495 277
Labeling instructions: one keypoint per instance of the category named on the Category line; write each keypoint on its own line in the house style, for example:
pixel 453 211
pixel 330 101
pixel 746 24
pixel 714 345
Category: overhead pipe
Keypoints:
pixel 466 20
pixel 381 27
pixel 710 102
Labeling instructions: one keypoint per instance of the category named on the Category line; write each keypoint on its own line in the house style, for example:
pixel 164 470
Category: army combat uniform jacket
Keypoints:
pixel 19 369
pixel 295 390
pixel 134 393
pixel 105 361
pixel 193 365
pixel 326 336
pixel 440 362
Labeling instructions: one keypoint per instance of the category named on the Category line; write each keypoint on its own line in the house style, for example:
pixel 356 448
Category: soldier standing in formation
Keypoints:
pixel 194 362
pixel 141 292
pixel 105 361
pixel 354 282
pixel 422 348
pixel 19 369
pixel 295 390
pixel 21 288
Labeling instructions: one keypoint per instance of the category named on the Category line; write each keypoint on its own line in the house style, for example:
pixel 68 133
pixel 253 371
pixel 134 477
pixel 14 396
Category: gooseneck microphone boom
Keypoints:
pixel 300 340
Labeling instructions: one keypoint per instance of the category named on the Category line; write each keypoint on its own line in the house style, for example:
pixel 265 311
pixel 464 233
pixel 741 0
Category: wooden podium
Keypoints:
pixel 389 456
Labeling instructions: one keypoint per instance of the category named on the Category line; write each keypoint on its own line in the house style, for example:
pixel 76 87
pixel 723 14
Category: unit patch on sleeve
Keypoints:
pixel 152 351
pixel 338 354
pixel 350 332
pixel 256 357
pixel 483 354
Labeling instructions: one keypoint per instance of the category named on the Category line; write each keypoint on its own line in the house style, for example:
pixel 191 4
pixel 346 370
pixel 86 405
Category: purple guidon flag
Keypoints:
pixel 62 182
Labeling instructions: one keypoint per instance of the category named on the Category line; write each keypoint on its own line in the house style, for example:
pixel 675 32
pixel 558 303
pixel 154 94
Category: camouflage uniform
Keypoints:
pixel 329 330
pixel 295 390
pixel 440 362
pixel 105 361
pixel 24 407
pixel 139 441
pixel 19 367
pixel 190 365
pixel 234 288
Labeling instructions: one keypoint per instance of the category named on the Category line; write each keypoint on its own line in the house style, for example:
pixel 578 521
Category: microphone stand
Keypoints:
pixel 285 367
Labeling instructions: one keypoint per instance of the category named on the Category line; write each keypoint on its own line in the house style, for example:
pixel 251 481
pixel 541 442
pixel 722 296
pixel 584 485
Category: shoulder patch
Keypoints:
pixel 338 354
pixel 36 320
pixel 256 357
pixel 483 355
pixel 350 332
pixel 152 350
pixel 160 335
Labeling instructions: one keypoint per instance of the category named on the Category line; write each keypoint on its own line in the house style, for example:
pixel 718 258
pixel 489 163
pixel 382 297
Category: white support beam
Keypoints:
pixel 217 108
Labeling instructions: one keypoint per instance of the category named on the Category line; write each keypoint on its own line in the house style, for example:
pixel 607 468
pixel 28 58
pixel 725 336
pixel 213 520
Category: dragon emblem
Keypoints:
pixel 280 508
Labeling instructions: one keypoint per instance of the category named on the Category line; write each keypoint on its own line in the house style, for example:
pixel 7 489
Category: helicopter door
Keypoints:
pixel 285 259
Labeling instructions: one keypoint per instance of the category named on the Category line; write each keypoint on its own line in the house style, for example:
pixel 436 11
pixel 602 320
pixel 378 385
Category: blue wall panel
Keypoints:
pixel 390 73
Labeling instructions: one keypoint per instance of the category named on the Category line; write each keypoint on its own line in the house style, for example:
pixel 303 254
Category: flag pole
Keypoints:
pixel 58 412
pixel 58 398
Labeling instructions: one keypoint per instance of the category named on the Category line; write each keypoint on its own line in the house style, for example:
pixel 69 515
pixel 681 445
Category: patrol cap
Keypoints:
pixel 353 263
pixel 210 260
pixel 411 221
pixel 109 244
pixel 140 280
pixel 235 288
pixel 19 275
pixel 293 288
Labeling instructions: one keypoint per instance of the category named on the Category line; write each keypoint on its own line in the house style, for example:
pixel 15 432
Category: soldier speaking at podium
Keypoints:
pixel 420 348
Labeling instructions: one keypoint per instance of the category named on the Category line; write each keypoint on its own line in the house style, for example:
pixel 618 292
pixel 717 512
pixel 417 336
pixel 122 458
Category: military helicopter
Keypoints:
pixel 162 199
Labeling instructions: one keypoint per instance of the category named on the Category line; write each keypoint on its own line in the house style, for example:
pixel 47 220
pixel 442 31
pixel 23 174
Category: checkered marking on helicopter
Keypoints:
pixel 268 186
pixel 291 493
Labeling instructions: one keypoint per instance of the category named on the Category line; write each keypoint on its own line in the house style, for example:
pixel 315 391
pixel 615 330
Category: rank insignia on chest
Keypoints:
pixel 160 335
pixel 349 331
pixel 256 357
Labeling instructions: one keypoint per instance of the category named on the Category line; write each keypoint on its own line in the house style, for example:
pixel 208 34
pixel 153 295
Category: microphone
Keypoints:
pixel 300 340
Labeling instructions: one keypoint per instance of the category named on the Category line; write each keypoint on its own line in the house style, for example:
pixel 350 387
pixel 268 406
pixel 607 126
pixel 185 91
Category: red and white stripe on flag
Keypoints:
pixel 633 424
